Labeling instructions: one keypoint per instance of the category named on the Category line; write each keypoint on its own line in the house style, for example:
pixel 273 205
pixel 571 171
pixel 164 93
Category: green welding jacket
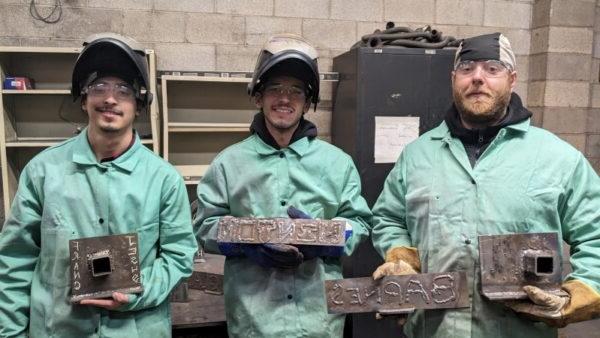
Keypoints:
pixel 527 180
pixel 253 179
pixel 65 193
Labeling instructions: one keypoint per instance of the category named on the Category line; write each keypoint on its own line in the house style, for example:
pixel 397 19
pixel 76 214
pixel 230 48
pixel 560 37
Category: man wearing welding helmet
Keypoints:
pixel 101 182
pixel 281 170
pixel 486 171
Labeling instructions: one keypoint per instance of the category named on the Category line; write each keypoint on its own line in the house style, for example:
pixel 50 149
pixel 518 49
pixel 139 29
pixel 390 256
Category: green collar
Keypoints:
pixel 300 147
pixel 84 155
pixel 442 131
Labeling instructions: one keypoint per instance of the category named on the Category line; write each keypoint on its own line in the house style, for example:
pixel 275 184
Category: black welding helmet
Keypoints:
pixel 289 55
pixel 109 54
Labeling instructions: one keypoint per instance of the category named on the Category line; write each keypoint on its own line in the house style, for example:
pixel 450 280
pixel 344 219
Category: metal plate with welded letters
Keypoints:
pixel 509 262
pixel 395 293
pixel 103 265
pixel 281 230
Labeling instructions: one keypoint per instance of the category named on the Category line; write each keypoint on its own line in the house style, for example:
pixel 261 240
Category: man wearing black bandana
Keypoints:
pixel 486 171
pixel 281 170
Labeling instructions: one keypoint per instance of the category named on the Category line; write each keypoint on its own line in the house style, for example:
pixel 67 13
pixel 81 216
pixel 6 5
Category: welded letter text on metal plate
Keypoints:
pixel 509 262
pixel 103 265
pixel 420 291
pixel 281 230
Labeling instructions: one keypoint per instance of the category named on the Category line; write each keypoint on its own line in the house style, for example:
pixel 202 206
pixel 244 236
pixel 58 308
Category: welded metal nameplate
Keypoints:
pixel 397 293
pixel 509 262
pixel 103 265
pixel 281 230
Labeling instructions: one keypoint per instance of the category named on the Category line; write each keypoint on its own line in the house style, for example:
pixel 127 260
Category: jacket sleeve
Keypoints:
pixel 389 212
pixel 579 210
pixel 19 253
pixel 354 209
pixel 177 247
pixel 213 203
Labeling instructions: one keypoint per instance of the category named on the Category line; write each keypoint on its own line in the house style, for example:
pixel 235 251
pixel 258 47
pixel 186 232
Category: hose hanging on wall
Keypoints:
pixel 424 37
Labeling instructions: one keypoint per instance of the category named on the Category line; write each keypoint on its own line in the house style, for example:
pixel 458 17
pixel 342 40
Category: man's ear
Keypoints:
pixel 258 100
pixel 306 106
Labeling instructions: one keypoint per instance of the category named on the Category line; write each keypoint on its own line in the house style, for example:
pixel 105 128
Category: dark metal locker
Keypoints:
pixel 383 82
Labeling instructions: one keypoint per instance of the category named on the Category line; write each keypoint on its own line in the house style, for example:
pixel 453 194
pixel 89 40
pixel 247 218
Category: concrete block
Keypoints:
pixel 205 6
pixel 563 66
pixel 403 11
pixel 578 141
pixel 464 32
pixel 565 120
pixel 69 3
pixel 596 97
pixel 314 9
pixel 330 33
pixel 258 29
pixel 520 40
pixel 535 93
pixel 120 4
pixel 537 117
pixel 448 30
pixel 459 12
pixel 236 58
pixel 596 48
pixel 245 7
pixel 570 40
pixel 365 28
pixel 595 71
pixel 572 13
pixel 214 28
pixel 6 41
pixel 324 138
pixel 538 64
pixel 539 40
pixel 522 68
pixel 593 121
pixel 326 92
pixel 357 10
pixel 82 22
pixel 155 26
pixel 595 163
pixel 541 13
pixel 521 89
pixel 566 94
pixel 322 119
pixel 185 56
pixel 16 22
pixel 593 145
pixel 507 14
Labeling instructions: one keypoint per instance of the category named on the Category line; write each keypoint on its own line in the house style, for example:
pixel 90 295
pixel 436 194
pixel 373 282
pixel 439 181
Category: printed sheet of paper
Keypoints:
pixel 392 134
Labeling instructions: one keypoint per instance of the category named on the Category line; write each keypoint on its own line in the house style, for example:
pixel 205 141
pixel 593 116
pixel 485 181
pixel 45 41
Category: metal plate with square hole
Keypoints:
pixel 103 265
pixel 509 262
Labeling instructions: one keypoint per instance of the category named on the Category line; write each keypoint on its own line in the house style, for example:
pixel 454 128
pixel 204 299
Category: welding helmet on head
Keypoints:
pixel 109 54
pixel 287 55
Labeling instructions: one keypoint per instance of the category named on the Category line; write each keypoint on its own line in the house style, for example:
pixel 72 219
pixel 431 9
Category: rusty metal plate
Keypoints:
pixel 208 274
pixel 397 294
pixel 281 230
pixel 103 265
pixel 509 262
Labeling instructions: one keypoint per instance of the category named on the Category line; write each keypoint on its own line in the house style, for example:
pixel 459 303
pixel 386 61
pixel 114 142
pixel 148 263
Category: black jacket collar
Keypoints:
pixel 305 129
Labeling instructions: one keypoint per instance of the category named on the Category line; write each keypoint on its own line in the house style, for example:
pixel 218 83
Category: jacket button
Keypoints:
pixel 467 241
pixel 290 297
pixel 283 203
pixel 473 181
pixel 281 155
pixel 101 220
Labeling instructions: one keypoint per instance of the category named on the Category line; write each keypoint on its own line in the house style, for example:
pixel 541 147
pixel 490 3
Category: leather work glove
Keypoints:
pixel 400 260
pixel 583 303
pixel 270 255
pixel 314 251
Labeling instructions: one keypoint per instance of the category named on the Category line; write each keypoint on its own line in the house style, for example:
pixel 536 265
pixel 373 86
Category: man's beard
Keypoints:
pixel 482 113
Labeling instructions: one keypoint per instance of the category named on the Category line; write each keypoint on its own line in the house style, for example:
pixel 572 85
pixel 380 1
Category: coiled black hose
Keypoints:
pixel 424 37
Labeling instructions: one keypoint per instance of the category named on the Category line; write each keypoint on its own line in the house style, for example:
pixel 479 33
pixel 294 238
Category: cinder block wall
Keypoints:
pixel 227 34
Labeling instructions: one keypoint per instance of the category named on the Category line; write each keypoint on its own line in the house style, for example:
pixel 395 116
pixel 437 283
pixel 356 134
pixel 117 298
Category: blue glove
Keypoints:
pixel 269 255
pixel 314 251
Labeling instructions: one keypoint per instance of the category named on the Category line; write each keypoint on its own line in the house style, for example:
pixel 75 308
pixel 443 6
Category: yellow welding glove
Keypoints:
pixel 583 303
pixel 400 260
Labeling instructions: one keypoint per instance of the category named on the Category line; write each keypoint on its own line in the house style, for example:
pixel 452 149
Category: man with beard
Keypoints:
pixel 281 169
pixel 486 171
pixel 99 183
